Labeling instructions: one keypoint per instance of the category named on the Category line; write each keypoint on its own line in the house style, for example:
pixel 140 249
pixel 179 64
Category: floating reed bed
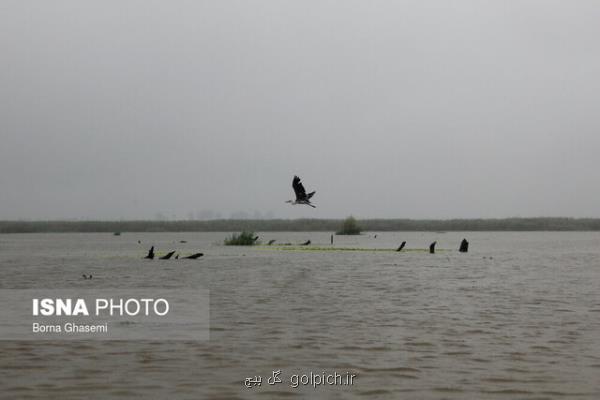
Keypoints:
pixel 319 249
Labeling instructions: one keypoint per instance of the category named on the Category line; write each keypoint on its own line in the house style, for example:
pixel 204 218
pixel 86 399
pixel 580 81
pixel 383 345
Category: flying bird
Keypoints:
pixel 301 196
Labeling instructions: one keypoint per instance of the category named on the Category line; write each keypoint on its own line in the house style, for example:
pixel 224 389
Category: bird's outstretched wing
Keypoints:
pixel 150 255
pixel 168 255
pixel 299 189
pixel 194 256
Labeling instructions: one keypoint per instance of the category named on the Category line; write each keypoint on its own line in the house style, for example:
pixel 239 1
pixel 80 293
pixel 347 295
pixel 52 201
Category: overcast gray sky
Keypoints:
pixel 414 109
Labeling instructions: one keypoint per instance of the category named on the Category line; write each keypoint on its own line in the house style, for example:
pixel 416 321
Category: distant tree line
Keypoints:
pixel 237 225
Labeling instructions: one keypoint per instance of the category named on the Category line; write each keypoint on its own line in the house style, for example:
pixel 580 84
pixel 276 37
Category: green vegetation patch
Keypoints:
pixel 349 227
pixel 242 239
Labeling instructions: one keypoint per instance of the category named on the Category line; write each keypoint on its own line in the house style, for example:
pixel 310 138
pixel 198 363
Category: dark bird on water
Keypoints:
pixel 150 255
pixel 464 246
pixel 167 256
pixel 432 247
pixel 301 196
pixel 194 256
pixel 401 246
pixel 86 276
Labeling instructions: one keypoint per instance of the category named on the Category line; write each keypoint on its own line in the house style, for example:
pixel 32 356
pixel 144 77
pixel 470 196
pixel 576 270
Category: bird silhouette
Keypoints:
pixel 150 255
pixel 194 256
pixel 167 256
pixel 301 196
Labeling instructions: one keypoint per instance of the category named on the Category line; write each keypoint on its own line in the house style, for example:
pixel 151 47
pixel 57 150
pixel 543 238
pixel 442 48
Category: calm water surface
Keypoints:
pixel 518 317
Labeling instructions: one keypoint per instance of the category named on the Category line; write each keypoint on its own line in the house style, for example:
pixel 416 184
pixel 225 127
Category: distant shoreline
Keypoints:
pixel 297 225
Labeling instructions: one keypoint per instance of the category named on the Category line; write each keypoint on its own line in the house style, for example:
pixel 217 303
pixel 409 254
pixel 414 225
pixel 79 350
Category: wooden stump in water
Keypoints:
pixel 432 247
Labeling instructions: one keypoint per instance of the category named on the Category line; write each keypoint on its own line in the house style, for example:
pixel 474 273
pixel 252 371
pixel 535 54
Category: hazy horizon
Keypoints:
pixel 409 109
